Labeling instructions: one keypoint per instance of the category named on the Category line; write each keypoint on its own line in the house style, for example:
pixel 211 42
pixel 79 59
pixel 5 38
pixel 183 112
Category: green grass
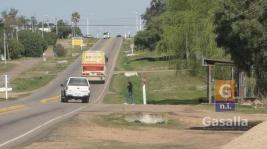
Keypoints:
pixel 30 84
pixel 118 89
pixel 162 87
pixel 5 67
pixel 42 74
pixel 144 60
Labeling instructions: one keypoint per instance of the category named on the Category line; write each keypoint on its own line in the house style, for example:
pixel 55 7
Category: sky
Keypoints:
pixel 107 12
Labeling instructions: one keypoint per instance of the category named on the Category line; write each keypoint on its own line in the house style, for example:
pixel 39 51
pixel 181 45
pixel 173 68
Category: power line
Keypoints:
pixel 97 25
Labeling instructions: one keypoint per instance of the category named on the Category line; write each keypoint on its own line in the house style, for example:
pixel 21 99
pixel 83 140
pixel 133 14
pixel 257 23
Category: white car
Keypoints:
pixel 106 35
pixel 77 88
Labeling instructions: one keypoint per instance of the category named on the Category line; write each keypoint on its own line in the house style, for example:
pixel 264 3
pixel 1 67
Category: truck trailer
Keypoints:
pixel 94 65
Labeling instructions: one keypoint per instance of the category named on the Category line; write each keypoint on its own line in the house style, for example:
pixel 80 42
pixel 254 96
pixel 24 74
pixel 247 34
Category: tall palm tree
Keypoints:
pixel 75 18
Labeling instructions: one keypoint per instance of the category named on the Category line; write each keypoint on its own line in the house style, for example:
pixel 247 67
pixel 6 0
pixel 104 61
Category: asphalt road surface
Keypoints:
pixel 25 120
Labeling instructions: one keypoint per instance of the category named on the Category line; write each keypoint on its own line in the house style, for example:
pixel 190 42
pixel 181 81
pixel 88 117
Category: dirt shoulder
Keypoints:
pixel 255 137
pixel 23 65
pixel 100 126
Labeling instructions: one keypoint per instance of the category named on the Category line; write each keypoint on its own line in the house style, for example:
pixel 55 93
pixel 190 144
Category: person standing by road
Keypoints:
pixel 130 92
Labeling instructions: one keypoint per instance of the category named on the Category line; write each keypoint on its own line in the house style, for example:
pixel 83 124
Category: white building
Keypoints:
pixel 46 29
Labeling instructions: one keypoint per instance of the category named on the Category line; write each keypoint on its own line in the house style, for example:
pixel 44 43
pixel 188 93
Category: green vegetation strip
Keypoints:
pixel 143 60
pixel 5 67
pixel 162 87
pixel 40 75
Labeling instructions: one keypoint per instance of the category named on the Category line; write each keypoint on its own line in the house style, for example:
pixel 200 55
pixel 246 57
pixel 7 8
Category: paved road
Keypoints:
pixel 30 117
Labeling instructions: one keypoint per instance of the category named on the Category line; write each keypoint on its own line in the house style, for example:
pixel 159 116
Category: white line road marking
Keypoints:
pixel 109 76
pixel 41 126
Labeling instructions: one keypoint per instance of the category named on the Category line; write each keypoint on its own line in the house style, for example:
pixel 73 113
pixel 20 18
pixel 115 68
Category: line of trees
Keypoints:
pixel 183 29
pixel 23 38
pixel 241 27
pixel 192 29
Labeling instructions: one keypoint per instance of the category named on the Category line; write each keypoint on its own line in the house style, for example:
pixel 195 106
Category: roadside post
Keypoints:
pixel 144 92
pixel 132 48
pixel 44 56
pixel 5 88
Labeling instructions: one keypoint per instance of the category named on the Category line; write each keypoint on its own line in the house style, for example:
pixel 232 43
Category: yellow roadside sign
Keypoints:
pixel 224 90
pixel 77 41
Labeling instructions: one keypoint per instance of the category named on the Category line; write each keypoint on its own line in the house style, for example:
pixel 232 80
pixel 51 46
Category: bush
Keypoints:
pixel 60 51
pixel 33 43
pixel 50 38
pixel 16 49
pixel 146 40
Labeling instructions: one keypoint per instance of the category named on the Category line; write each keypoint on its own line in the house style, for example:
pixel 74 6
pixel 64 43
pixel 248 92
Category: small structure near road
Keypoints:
pixel 131 51
pixel 62 62
pixel 130 74
pixel 146 118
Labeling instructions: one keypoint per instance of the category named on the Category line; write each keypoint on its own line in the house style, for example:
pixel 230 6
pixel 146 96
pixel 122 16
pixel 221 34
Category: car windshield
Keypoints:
pixel 78 82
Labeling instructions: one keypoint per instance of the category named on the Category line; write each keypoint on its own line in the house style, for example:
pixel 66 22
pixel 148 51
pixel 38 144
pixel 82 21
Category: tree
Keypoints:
pixel 33 43
pixel 50 38
pixel 64 30
pixel 149 38
pixel 10 20
pixel 16 49
pixel 241 27
pixel 33 23
pixel 75 18
pixel 60 51
pixel 22 21
pixel 156 8
pixel 1 37
pixel 146 39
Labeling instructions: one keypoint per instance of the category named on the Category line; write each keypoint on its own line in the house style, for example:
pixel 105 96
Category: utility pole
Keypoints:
pixel 144 92
pixel 209 84
pixel 5 53
pixel 87 26
pixel 137 22
pixel 140 21
pixel 17 35
pixel 72 29
pixel 32 25
pixel 43 28
pixel 56 27
pixel 186 47
pixel 6 91
pixel 75 30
